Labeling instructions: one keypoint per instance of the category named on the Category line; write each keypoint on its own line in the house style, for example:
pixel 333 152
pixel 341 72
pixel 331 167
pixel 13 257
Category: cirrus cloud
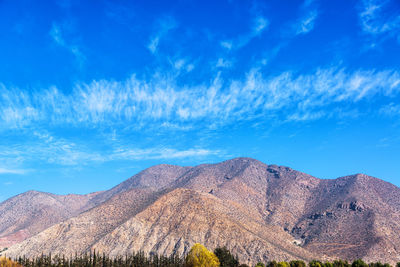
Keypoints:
pixel 162 100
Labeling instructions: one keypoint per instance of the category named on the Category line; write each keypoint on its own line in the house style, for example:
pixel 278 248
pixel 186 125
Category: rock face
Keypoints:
pixel 260 212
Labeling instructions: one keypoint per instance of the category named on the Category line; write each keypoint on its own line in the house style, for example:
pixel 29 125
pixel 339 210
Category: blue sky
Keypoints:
pixel 94 91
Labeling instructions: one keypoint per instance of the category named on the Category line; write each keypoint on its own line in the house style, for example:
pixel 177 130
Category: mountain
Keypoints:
pixel 259 211
pixel 156 177
pixel 29 213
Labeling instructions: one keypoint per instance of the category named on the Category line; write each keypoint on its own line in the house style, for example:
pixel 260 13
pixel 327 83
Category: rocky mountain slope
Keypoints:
pixel 259 211
pixel 30 213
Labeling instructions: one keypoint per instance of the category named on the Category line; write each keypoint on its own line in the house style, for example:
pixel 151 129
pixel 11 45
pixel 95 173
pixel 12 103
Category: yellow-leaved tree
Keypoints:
pixel 200 256
pixel 4 262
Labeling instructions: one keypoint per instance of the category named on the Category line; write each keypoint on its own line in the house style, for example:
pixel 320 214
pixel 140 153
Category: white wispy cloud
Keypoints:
pixel 161 153
pixel 391 109
pixel 46 148
pixel 306 22
pixel 258 26
pixel 223 63
pixel 12 171
pixel 226 44
pixel 377 18
pixel 161 99
pixel 163 27
pixel 57 36
pixel 182 65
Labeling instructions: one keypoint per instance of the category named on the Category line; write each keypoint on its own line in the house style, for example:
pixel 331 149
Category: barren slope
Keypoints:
pixel 351 217
pixel 79 233
pixel 173 224
pixel 157 178
pixel 30 213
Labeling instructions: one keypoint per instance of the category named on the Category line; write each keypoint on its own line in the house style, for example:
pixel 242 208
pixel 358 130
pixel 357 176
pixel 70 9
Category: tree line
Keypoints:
pixel 198 256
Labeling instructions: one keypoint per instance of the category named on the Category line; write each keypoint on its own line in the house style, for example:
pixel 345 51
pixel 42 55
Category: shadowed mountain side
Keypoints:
pixel 29 213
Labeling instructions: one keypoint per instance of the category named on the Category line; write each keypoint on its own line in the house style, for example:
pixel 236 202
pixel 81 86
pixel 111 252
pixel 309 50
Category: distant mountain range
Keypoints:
pixel 260 212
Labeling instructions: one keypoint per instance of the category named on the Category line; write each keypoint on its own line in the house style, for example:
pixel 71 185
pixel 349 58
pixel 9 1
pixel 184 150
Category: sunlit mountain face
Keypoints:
pixel 92 92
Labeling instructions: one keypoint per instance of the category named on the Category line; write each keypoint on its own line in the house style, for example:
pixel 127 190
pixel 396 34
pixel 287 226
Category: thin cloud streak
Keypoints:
pixel 64 154
pixel 162 153
pixel 391 110
pixel 49 149
pixel 306 24
pixel 259 25
pixel 164 26
pixel 12 171
pixel 57 36
pixel 307 20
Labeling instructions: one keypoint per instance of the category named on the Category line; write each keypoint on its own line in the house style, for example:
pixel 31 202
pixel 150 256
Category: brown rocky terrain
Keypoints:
pixel 30 213
pixel 259 211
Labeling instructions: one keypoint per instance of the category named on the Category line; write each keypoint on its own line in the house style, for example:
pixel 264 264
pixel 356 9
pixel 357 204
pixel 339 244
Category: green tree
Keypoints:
pixel 340 263
pixel 260 264
pixel 200 256
pixel 359 263
pixel 226 259
pixel 272 264
pixel 315 263
pixel 375 264
pixel 297 263
pixel 398 264
pixel 283 264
